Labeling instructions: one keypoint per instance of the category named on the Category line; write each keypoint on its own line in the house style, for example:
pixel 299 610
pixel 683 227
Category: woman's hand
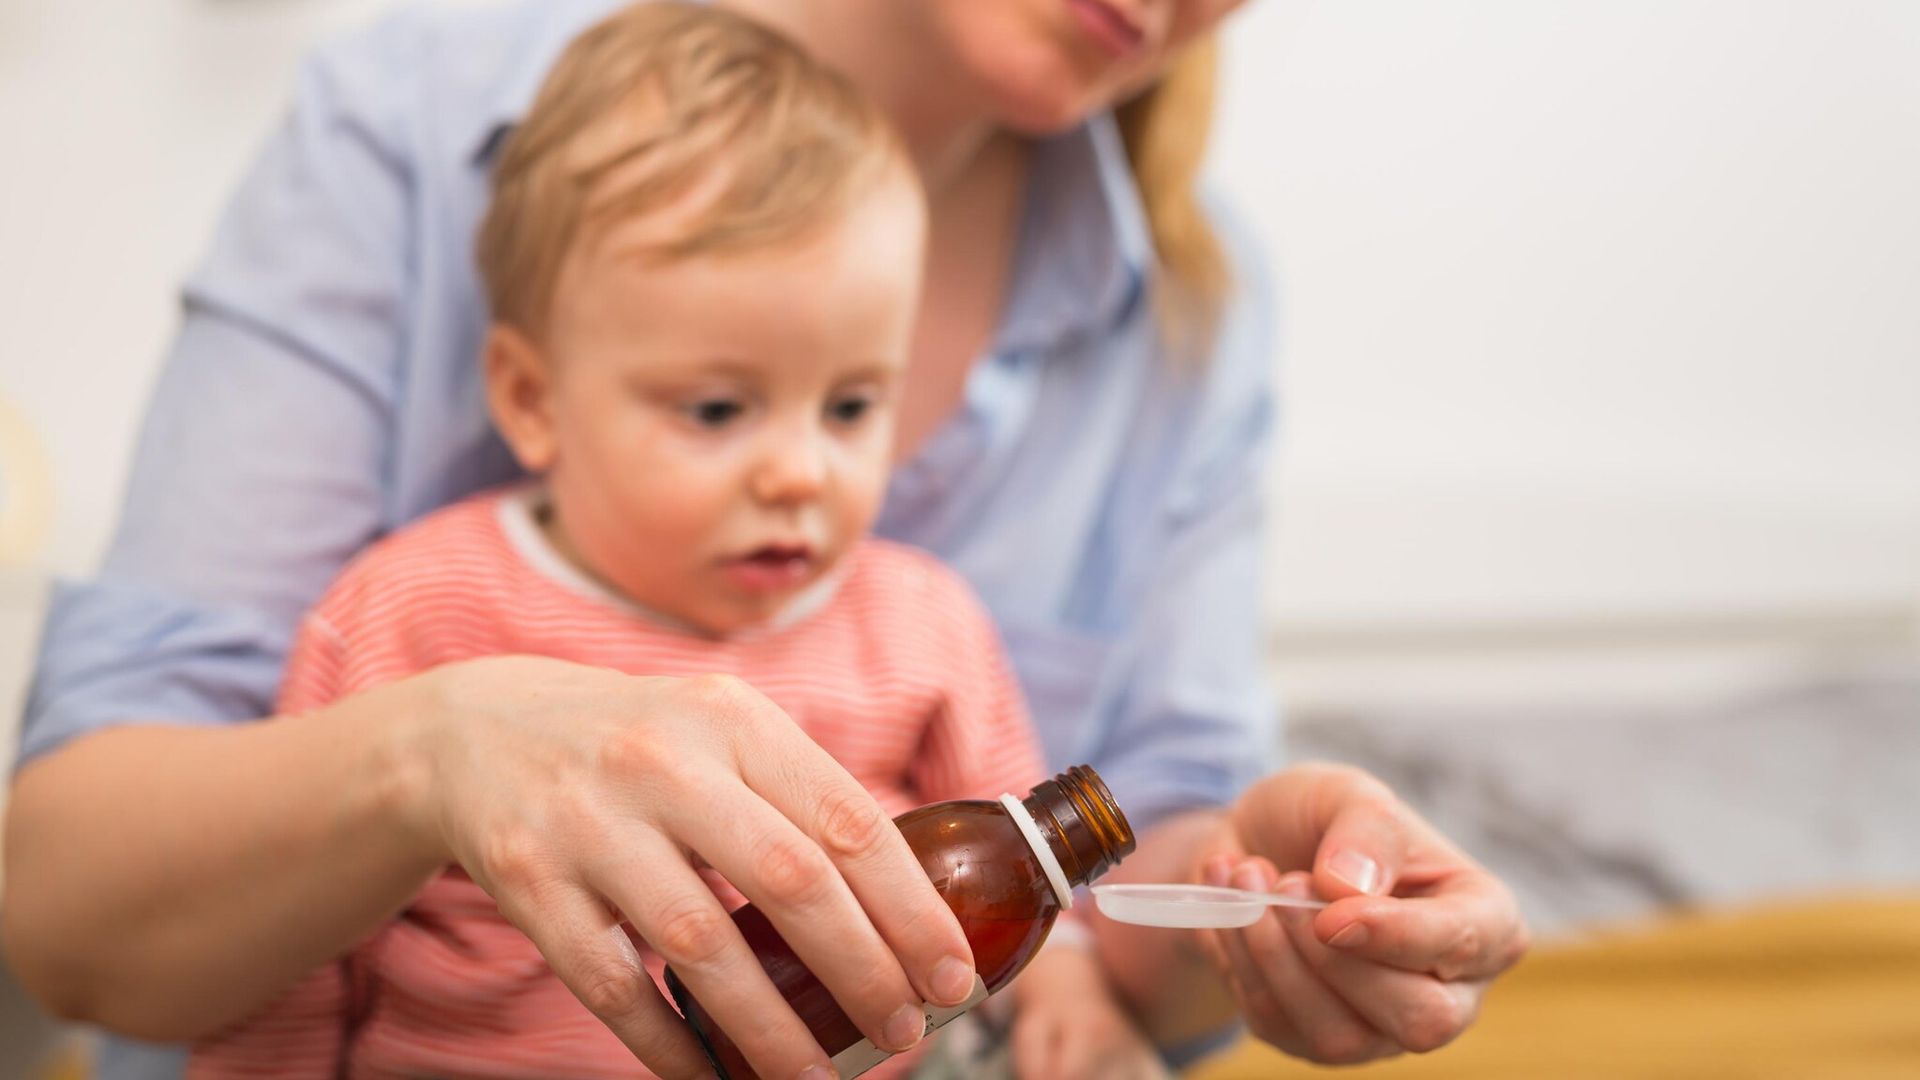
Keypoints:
pixel 1068 1025
pixel 1401 957
pixel 579 797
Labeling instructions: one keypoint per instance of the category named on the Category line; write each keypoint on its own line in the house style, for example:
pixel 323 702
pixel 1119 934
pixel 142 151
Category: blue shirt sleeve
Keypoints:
pixel 1195 721
pixel 260 468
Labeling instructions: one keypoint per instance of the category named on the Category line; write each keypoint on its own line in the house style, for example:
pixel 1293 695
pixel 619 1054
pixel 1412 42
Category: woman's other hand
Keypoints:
pixel 1398 961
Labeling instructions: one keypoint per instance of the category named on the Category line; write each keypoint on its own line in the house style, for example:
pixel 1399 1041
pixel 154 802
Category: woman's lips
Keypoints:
pixel 1110 28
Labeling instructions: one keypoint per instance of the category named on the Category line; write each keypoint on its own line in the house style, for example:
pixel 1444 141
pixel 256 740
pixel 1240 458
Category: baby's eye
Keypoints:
pixel 714 412
pixel 849 410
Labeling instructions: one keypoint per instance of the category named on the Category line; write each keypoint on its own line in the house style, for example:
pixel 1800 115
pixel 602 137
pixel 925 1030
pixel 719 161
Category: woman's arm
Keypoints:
pixel 162 880
pixel 165 880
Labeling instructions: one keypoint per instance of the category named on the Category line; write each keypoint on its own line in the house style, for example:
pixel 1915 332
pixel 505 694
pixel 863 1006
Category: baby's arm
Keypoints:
pixel 1068 1023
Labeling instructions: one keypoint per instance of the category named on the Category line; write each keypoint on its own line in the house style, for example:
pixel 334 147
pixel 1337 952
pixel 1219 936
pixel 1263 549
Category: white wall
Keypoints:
pixel 1593 308
pixel 1597 313
pixel 125 127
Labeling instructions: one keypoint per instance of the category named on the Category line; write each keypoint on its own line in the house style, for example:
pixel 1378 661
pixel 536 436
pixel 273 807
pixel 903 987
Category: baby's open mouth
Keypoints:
pixel 772 567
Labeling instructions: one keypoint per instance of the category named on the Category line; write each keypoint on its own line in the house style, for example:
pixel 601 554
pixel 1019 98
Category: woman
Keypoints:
pixel 1081 437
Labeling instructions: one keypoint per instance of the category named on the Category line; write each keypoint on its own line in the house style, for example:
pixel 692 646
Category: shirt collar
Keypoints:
pixel 1085 248
pixel 519 511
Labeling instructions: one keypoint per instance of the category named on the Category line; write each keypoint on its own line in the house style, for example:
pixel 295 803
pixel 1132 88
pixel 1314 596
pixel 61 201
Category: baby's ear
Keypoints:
pixel 519 395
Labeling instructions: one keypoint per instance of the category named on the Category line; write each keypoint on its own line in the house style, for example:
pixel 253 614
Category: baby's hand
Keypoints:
pixel 1067 1025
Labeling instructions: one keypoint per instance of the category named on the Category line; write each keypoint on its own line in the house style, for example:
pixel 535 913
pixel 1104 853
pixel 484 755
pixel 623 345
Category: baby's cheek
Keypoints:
pixel 864 490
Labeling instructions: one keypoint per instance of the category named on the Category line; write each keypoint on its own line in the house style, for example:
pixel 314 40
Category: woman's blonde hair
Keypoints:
pixel 664 105
pixel 1165 130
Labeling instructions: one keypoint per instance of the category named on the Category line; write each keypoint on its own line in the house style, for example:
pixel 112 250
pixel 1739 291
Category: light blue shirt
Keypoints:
pixel 325 389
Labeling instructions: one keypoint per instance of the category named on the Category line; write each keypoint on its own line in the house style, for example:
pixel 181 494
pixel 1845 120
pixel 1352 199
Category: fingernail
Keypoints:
pixel 904 1028
pixel 1248 877
pixel 1293 885
pixel 1356 870
pixel 1218 870
pixel 1352 936
pixel 818 1072
pixel 952 980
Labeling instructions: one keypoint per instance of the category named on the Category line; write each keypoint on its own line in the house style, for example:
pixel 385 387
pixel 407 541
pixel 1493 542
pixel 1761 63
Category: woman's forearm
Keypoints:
pixel 163 881
pixel 1169 983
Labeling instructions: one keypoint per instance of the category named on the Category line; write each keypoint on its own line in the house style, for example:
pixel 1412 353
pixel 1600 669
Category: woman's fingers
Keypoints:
pixel 1276 981
pixel 1451 918
pixel 797 886
pixel 1417 1012
pixel 867 852
pixel 674 911
pixel 1454 919
pixel 1364 844
pixel 556 769
pixel 1469 929
pixel 1258 1000
pixel 590 951
pixel 1412 967
pixel 1344 823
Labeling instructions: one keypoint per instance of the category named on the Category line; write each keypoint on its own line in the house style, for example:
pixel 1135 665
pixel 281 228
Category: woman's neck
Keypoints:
pixel 889 51
pixel 974 170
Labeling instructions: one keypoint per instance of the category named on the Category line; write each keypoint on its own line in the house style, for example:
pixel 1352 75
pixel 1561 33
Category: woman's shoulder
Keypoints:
pixel 433 34
pixel 451 73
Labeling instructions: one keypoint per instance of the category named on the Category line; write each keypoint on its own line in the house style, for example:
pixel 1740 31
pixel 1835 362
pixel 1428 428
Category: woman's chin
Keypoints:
pixel 1041 94
pixel 1041 116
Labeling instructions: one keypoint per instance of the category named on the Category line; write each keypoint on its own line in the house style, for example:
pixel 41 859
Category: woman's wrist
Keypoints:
pixel 402 724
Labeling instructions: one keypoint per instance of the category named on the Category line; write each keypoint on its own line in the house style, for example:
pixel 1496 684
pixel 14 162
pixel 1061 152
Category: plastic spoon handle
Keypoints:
pixel 1276 900
pixel 1190 906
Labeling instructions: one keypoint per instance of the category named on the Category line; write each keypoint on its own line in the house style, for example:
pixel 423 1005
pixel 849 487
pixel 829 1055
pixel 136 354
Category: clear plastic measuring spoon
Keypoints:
pixel 1190 907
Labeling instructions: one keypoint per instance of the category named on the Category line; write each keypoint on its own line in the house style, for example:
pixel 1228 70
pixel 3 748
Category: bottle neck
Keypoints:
pixel 1081 824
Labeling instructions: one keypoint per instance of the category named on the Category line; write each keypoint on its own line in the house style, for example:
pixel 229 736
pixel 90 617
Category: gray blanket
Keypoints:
pixel 1592 815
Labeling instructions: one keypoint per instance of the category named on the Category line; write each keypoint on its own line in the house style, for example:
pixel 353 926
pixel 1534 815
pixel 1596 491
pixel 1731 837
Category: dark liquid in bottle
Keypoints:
pixel 979 862
pixel 983 866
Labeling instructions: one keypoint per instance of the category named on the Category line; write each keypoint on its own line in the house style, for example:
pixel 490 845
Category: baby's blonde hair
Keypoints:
pixel 665 104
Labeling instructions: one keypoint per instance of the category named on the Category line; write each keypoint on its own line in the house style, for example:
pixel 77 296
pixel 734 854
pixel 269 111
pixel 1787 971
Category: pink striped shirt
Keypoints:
pixel 898 673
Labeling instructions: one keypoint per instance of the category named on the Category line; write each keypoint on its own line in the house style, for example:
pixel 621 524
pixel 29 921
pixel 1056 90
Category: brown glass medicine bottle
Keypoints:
pixel 1006 868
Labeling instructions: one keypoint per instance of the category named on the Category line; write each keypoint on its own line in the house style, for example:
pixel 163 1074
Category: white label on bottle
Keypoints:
pixel 863 1055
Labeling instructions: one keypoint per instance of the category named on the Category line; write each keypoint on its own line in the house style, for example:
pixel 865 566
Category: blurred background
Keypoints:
pixel 1599 496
